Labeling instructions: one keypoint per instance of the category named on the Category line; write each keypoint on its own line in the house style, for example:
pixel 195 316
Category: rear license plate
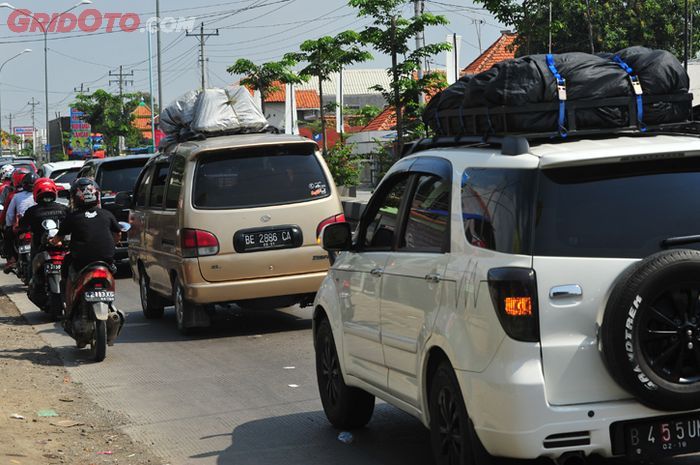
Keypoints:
pixel 99 296
pixel 25 248
pixel 663 437
pixel 267 239
pixel 52 268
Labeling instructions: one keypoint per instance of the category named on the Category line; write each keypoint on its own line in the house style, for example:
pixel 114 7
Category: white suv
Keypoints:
pixel 523 301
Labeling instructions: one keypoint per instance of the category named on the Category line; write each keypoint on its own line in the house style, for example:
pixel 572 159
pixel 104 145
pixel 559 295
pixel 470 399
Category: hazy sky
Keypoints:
pixel 261 30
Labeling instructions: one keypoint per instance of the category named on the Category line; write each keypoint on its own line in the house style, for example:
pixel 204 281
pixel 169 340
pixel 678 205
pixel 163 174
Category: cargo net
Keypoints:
pixel 572 93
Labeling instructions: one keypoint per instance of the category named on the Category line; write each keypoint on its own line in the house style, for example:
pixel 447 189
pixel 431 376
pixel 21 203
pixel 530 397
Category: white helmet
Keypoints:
pixel 6 172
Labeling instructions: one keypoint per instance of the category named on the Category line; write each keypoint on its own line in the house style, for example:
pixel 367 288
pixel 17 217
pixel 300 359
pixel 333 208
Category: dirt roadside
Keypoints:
pixel 34 386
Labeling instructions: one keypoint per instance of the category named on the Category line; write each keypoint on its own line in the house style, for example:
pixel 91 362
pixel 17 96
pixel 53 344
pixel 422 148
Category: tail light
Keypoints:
pixel 514 295
pixel 333 219
pixel 198 243
pixel 99 278
pixel 26 236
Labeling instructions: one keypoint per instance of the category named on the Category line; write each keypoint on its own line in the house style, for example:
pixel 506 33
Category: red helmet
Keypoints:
pixel 45 190
pixel 18 176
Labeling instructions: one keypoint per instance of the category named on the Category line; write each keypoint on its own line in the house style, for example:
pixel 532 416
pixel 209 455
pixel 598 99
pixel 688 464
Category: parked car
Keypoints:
pixel 231 219
pixel 63 172
pixel 541 302
pixel 115 175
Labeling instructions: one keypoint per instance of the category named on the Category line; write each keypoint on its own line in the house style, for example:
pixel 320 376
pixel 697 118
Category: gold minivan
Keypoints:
pixel 230 219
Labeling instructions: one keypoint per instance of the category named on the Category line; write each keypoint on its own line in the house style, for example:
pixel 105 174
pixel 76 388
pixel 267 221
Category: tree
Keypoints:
pixel 264 77
pixel 326 56
pixel 595 25
pixel 110 115
pixel 390 33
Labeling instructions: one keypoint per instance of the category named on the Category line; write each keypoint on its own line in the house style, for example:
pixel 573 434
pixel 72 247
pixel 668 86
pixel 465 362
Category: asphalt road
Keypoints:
pixel 242 392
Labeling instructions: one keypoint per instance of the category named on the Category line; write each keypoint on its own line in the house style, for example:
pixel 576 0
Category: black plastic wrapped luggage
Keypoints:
pixel 634 88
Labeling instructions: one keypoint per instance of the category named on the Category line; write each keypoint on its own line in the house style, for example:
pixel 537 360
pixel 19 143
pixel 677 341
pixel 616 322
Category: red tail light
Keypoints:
pixel 100 273
pixel 333 219
pixel 514 295
pixel 198 243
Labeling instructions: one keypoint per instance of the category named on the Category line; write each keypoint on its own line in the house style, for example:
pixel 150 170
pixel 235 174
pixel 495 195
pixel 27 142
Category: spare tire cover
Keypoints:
pixel 650 336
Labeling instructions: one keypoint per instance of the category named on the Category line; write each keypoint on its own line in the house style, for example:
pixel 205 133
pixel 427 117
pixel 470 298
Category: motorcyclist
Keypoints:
pixel 21 201
pixel 45 193
pixel 93 230
pixel 5 181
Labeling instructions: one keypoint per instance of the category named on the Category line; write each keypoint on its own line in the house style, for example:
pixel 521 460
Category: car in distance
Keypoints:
pixel 63 172
pixel 523 301
pixel 231 219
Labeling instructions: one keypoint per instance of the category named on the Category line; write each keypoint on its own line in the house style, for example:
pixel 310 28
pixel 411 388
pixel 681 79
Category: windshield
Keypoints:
pixel 262 176
pixel 120 176
pixel 622 210
pixel 65 176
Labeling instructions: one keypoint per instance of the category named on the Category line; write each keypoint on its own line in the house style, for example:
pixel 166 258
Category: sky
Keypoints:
pixel 260 30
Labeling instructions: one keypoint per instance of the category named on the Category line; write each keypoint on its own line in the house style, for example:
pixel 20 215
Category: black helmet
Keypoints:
pixel 28 182
pixel 85 193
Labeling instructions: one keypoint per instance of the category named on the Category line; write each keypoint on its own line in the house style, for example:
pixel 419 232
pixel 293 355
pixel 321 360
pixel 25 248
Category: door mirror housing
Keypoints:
pixel 337 237
pixel 123 199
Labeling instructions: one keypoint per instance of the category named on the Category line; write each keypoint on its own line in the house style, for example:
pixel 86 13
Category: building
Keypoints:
pixel 142 120
pixel 502 49
pixel 307 101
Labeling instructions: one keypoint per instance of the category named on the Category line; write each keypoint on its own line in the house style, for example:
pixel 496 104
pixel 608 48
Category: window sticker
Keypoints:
pixel 318 188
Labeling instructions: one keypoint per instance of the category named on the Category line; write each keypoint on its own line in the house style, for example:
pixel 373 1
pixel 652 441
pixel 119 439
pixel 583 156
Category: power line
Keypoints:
pixel 202 37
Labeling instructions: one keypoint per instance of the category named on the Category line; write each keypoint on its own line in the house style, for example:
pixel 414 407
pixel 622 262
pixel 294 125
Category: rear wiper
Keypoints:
pixel 681 240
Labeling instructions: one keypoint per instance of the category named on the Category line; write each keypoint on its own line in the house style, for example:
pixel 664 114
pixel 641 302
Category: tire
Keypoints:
pixel 650 336
pixel 151 303
pixel 345 407
pixel 452 434
pixel 182 308
pixel 55 306
pixel 98 347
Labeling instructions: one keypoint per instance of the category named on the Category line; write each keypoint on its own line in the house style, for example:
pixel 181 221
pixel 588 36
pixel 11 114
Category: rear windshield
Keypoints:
pixel 119 177
pixel 66 177
pixel 26 166
pixel 256 177
pixel 618 210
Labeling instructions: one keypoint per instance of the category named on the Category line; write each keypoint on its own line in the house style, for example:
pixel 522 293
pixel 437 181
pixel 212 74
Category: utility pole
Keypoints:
pixel 202 36
pixel 10 132
pixel 82 89
pixel 121 81
pixel 160 76
pixel 419 7
pixel 477 24
pixel 33 103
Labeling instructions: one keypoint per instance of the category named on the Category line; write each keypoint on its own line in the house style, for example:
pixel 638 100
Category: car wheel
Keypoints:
pixel 650 334
pixel 452 434
pixel 151 303
pixel 183 308
pixel 345 407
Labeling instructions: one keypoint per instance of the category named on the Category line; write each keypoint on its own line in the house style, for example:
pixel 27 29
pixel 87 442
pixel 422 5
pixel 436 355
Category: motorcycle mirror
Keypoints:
pixel 49 225
pixel 124 226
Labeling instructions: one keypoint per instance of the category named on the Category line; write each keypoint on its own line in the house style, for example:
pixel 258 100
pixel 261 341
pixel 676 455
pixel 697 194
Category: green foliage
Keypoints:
pixel 390 33
pixel 263 77
pixel 111 116
pixel 615 24
pixel 361 116
pixel 344 165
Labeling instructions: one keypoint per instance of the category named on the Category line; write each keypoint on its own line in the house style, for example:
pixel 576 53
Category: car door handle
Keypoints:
pixel 377 272
pixel 569 290
pixel 433 277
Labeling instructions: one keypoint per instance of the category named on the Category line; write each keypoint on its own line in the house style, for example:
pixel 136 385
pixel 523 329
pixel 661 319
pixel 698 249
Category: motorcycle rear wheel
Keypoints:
pixel 98 346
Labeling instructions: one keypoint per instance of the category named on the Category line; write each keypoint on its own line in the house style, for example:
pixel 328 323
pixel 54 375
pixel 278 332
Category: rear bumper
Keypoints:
pixel 203 292
pixel 511 415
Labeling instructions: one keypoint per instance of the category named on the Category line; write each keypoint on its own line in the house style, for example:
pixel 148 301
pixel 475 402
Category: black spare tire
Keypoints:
pixel 650 334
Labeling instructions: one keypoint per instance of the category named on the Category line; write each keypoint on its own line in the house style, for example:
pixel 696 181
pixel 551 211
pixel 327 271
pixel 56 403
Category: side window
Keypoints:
pixel 497 207
pixel 384 221
pixel 427 226
pixel 143 188
pixel 158 185
pixel 87 172
pixel 177 173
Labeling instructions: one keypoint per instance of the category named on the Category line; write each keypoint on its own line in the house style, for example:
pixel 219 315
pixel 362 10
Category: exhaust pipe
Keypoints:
pixel 115 323
pixel 572 458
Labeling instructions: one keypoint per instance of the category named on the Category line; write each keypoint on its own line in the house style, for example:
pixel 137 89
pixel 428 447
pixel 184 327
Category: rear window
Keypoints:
pixel 617 210
pixel 26 166
pixel 119 177
pixel 66 176
pixel 256 177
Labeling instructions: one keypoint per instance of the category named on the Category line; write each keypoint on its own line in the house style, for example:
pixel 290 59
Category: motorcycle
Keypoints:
pixel 24 252
pixel 91 318
pixel 45 287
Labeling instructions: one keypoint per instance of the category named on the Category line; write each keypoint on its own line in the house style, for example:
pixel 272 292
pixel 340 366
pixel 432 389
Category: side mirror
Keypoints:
pixel 123 199
pixel 124 226
pixel 336 237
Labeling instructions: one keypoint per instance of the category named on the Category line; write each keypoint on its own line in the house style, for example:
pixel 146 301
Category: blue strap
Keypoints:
pixel 637 87
pixel 561 93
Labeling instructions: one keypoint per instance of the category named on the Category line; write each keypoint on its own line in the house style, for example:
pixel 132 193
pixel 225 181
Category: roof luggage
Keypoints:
pixel 570 92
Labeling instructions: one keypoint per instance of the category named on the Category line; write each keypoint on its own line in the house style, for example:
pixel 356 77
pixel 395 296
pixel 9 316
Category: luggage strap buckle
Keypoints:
pixel 561 94
pixel 636 88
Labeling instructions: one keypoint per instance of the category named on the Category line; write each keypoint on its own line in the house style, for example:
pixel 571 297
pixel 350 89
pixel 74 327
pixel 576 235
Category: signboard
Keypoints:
pixel 80 146
pixel 23 130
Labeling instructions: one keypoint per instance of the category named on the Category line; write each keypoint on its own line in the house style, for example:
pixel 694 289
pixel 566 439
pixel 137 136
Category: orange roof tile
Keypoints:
pixel 306 99
pixel 142 118
pixel 385 121
pixel 500 50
